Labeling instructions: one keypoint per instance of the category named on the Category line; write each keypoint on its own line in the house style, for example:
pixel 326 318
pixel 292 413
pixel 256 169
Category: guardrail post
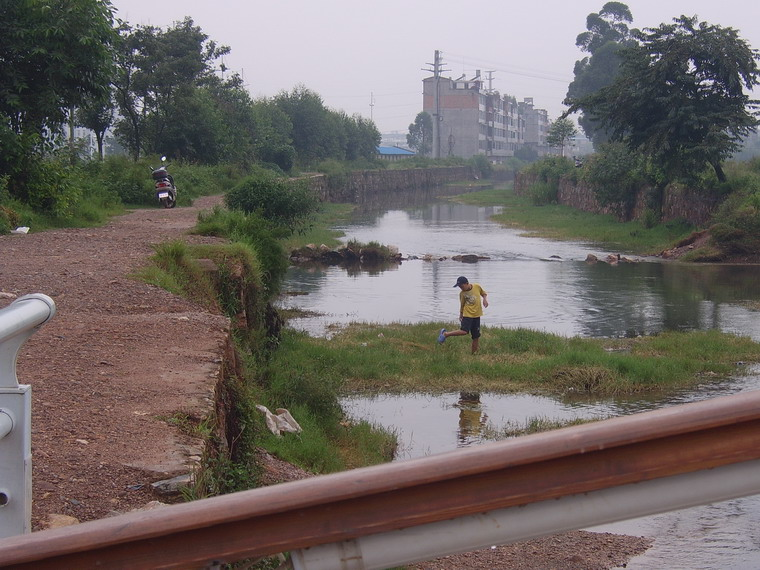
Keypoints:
pixel 18 321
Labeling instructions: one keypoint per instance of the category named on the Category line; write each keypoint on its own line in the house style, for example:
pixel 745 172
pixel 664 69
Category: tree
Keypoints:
pixel 420 137
pixel 606 33
pixel 362 137
pixel 679 97
pixel 96 115
pixel 317 133
pixel 271 135
pixel 160 75
pixel 53 56
pixel 560 132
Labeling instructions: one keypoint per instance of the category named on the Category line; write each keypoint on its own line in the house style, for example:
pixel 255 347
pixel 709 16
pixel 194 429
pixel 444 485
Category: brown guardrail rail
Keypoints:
pixel 332 508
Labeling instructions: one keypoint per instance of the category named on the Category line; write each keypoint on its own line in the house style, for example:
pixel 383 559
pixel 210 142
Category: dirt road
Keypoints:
pixel 117 360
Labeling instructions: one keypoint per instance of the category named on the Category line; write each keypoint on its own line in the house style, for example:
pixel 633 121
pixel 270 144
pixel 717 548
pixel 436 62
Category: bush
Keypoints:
pixel 253 231
pixel 130 180
pixel 50 189
pixel 481 163
pixel 548 172
pixel 543 193
pixel 290 204
pixel 737 224
pixel 615 174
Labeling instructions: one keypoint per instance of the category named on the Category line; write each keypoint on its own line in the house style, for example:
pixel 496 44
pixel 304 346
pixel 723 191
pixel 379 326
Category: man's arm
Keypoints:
pixel 485 298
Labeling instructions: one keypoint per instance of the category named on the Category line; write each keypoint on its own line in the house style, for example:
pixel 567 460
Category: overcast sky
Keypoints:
pixel 370 57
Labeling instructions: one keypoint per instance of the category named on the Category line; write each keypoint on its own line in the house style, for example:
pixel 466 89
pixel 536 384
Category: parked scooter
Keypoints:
pixel 166 191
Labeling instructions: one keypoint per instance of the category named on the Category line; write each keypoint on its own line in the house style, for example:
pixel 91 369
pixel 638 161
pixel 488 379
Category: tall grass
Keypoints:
pixel 406 358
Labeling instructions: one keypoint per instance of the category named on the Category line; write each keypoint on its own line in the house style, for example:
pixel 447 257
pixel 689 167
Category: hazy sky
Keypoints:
pixel 370 57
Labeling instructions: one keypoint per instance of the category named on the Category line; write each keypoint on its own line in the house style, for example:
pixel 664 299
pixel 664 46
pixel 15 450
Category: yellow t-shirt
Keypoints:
pixel 471 304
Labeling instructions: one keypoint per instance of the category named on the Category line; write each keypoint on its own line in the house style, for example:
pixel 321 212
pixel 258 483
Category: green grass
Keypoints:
pixel 564 223
pixel 535 424
pixel 406 358
pixel 320 232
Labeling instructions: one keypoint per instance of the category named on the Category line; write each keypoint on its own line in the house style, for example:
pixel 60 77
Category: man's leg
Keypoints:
pixel 459 332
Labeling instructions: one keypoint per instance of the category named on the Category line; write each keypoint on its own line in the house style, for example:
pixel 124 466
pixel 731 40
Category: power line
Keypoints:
pixel 513 70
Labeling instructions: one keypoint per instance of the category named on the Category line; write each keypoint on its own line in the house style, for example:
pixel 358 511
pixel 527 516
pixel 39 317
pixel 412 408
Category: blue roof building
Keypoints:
pixel 393 153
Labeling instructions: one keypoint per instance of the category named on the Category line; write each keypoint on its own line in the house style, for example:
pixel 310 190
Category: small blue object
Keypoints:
pixel 441 337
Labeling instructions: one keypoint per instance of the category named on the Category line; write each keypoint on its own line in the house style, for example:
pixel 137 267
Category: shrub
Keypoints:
pixel 481 163
pixel 543 193
pixel 615 174
pixel 49 189
pixel 129 180
pixel 548 172
pixel 290 204
pixel 253 231
pixel 738 228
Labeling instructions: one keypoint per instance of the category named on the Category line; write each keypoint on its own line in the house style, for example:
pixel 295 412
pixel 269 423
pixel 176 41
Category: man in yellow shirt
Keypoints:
pixel 472 299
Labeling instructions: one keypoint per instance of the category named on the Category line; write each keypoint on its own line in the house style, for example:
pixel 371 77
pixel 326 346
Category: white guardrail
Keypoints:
pixel 18 321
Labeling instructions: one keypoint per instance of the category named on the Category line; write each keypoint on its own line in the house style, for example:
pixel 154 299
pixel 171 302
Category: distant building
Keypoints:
pixel 393 153
pixel 536 126
pixel 475 120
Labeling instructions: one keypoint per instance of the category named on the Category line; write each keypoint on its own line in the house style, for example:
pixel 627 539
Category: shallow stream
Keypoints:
pixel 548 286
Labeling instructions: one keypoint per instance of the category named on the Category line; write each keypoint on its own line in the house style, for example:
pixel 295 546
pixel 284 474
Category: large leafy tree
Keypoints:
pixel 157 91
pixel 53 57
pixel 679 97
pixel 316 133
pixel 271 134
pixel 319 133
pixel 420 137
pixel 606 32
pixel 362 137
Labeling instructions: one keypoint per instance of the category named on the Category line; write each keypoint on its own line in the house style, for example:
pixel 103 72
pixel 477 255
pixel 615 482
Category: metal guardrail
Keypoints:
pixel 400 512
pixel 18 321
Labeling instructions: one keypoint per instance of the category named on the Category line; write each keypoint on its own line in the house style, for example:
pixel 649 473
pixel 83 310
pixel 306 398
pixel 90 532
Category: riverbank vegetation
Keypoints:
pixel 371 359
pixel 558 222
pixel 732 229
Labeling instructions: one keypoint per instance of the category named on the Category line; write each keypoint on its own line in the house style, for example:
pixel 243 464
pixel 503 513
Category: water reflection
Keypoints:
pixel 472 420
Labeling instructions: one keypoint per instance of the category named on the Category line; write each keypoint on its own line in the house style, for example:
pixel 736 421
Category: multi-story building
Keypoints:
pixel 469 119
pixel 536 126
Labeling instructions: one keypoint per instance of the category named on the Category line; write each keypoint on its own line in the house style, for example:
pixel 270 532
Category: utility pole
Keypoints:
pixel 371 106
pixel 491 134
pixel 437 116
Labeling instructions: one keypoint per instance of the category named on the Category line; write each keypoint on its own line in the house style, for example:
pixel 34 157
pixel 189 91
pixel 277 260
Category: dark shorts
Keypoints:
pixel 471 325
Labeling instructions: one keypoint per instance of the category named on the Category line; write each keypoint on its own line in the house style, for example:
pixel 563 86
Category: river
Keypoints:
pixel 543 285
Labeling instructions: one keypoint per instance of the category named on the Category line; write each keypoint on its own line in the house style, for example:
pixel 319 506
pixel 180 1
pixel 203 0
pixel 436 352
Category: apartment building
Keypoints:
pixel 536 126
pixel 470 119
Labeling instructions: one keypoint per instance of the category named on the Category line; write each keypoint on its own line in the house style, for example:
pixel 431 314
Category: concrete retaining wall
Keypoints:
pixel 377 187
pixel 696 207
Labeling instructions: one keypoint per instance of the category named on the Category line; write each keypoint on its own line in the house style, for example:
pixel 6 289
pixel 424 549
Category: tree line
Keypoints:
pixel 160 91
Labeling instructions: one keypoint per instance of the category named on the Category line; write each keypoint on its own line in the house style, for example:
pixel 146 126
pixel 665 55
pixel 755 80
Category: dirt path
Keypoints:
pixel 120 357
pixel 117 359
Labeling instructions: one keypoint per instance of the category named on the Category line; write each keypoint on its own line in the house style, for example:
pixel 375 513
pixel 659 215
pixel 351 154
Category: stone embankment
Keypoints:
pixel 376 188
pixel 678 202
